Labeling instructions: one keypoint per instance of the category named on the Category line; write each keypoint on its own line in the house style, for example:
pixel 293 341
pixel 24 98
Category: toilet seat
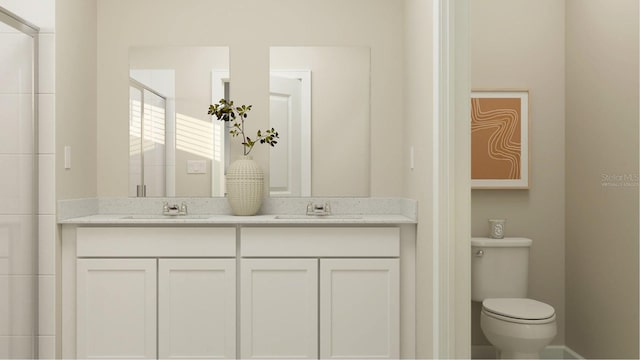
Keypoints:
pixel 519 310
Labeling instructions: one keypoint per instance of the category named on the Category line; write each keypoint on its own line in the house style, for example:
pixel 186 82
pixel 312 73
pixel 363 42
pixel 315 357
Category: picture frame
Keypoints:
pixel 499 139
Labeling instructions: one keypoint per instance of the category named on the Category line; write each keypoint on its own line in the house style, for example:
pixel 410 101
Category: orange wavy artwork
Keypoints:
pixel 495 138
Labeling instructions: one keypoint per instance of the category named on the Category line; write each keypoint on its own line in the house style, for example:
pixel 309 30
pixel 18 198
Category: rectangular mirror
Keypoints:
pixel 319 103
pixel 174 147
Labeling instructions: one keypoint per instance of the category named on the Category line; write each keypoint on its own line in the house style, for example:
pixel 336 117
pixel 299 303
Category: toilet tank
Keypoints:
pixel 499 268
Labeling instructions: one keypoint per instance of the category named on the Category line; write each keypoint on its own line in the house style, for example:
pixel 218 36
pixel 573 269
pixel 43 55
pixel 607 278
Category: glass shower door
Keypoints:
pixel 147 145
pixel 18 194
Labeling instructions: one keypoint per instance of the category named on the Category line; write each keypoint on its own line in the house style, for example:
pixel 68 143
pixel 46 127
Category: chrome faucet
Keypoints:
pixel 173 210
pixel 318 209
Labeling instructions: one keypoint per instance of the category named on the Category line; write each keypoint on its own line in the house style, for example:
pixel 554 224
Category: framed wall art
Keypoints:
pixel 500 139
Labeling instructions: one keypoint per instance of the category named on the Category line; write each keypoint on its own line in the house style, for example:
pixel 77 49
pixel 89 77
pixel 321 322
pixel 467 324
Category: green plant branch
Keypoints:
pixel 225 111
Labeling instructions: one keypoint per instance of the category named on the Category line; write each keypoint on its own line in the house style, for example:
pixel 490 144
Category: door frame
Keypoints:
pixel 451 214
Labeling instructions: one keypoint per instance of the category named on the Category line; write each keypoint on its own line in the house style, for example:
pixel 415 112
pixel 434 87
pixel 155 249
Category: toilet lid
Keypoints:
pixel 526 309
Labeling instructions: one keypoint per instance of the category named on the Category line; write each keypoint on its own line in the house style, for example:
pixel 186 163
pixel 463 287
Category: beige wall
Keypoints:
pixel 602 214
pixel 249 28
pixel 76 97
pixel 75 112
pixel 519 44
pixel 418 110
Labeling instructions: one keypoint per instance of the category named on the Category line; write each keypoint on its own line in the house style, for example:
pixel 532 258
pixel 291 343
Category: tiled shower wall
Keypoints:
pixel 47 208
pixel 18 310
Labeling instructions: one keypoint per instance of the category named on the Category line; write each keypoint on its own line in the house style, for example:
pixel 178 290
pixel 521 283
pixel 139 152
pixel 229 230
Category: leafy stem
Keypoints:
pixel 234 117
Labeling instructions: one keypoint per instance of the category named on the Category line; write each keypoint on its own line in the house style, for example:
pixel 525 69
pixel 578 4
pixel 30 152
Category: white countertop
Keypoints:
pixel 137 219
pixel 216 211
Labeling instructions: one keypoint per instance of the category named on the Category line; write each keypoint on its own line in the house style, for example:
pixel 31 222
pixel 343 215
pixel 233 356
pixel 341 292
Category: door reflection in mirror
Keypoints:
pixel 147 145
pixel 290 114
pixel 221 139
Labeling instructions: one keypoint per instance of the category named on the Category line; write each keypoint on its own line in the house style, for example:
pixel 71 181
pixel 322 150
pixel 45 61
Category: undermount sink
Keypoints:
pixel 165 217
pixel 317 217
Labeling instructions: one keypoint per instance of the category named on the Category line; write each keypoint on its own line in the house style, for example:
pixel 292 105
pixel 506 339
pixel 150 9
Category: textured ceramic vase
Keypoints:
pixel 245 182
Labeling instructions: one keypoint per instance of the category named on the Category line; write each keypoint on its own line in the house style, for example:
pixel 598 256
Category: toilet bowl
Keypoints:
pixel 518 328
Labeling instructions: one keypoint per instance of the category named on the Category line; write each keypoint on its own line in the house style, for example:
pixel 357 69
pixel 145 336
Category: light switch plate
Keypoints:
pixel 67 157
pixel 411 158
pixel 196 166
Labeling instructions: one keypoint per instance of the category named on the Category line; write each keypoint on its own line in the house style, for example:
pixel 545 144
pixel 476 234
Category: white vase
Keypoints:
pixel 245 182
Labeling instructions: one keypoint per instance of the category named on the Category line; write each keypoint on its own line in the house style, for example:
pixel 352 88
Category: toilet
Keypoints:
pixel 518 327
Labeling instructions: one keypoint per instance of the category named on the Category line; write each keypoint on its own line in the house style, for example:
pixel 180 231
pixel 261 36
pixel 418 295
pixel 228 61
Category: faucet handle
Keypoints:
pixel 183 208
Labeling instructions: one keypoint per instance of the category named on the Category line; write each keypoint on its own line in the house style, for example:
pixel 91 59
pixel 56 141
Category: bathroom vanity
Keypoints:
pixel 230 287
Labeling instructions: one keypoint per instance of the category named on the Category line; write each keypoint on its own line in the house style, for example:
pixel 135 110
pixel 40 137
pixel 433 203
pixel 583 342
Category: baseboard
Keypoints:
pixel 553 352
pixel 570 354
pixel 550 352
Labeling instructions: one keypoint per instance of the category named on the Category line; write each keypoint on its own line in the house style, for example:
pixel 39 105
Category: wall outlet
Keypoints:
pixel 196 166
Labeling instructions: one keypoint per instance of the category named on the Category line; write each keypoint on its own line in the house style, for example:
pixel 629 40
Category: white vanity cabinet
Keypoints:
pixel 116 308
pixel 279 308
pixel 238 291
pixel 332 290
pixel 197 308
pixel 134 300
pixel 359 309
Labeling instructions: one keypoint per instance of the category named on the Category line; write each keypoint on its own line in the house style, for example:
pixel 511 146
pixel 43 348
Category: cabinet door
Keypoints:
pixel 197 308
pixel 359 309
pixel 116 308
pixel 279 308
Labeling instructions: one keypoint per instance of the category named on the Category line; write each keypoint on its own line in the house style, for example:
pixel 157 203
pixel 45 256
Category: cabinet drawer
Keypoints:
pixel 156 242
pixel 320 242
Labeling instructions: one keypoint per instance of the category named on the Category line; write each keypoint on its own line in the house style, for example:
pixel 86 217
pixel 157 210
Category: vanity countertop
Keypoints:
pixel 129 219
pixel 215 211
